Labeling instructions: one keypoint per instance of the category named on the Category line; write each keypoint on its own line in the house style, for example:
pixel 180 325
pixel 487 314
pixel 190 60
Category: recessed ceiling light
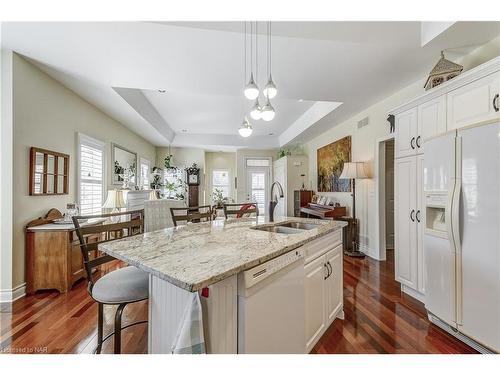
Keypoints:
pixel 301 100
pixel 162 91
pixel 184 130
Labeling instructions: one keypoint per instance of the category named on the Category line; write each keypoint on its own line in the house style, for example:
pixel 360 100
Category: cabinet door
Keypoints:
pixel 406 133
pixel 473 103
pixel 405 250
pixel 334 287
pixel 431 120
pixel 420 218
pixel 280 176
pixel 315 300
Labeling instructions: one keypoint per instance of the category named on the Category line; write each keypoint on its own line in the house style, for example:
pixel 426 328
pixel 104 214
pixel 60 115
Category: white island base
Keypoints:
pixel 298 310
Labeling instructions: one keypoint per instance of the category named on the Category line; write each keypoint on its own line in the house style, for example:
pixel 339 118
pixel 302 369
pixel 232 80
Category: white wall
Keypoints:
pixel 6 135
pixel 48 115
pixel 219 160
pixel 363 144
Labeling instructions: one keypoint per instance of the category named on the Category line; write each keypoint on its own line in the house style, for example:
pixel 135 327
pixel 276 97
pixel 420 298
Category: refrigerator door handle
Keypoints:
pixel 456 229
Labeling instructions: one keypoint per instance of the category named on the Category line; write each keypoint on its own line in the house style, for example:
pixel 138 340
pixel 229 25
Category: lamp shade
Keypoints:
pixel 354 170
pixel 114 199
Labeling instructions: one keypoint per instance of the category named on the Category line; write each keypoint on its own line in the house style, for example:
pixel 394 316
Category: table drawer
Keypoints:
pixel 321 245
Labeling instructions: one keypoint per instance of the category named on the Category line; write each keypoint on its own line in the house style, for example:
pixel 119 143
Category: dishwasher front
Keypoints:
pixel 271 306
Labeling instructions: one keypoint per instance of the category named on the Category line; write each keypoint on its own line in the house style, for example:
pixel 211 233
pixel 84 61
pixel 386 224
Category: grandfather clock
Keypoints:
pixel 193 181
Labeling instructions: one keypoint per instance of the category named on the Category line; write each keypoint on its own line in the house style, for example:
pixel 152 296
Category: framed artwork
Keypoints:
pixel 124 166
pixel 330 161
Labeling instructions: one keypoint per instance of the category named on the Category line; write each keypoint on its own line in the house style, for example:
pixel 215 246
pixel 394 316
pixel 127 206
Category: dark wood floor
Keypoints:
pixel 378 319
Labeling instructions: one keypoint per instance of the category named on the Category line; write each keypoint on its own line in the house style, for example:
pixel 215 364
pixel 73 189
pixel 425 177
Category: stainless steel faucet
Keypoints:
pixel 274 200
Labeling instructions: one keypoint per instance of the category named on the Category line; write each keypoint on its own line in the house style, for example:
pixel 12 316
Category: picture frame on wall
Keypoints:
pixel 123 166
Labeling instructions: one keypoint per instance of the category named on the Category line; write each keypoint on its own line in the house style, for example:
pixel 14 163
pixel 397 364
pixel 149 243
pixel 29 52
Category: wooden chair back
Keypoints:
pixel 240 209
pixel 190 214
pixel 131 223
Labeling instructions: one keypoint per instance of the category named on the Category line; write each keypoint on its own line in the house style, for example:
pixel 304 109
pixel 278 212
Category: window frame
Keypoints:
pixel 144 161
pixel 215 186
pixel 83 139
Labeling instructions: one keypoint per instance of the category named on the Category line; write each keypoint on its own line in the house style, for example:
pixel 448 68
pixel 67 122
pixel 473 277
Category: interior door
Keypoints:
pixel 315 300
pixel 479 295
pixel 406 133
pixel 334 283
pixel 405 253
pixel 258 187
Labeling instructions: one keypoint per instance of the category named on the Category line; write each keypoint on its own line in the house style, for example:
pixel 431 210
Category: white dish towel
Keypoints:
pixel 190 338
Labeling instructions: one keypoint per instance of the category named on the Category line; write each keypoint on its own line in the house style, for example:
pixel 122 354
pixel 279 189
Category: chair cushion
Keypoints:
pixel 128 284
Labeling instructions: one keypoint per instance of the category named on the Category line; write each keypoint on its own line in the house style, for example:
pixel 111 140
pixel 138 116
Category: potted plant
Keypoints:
pixel 218 198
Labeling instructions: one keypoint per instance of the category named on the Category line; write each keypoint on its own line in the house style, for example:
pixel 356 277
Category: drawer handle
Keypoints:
pixel 327 271
pixel 495 103
pixel 412 143
pixel 417 142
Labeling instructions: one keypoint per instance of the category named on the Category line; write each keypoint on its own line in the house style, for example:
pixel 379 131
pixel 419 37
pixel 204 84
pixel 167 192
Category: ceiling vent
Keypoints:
pixel 362 123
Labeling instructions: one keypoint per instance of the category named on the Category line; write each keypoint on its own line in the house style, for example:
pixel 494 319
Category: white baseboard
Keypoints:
pixel 10 295
pixel 413 293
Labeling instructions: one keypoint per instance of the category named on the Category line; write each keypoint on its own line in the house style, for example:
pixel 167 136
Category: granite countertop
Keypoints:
pixel 194 256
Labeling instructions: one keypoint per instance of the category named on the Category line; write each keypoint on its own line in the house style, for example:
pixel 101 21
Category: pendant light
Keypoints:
pixel 268 111
pixel 245 129
pixel 256 111
pixel 270 90
pixel 251 90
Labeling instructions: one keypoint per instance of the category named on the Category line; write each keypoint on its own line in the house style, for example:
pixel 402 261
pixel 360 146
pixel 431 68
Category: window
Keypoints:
pixel 91 175
pixel 220 180
pixel 173 186
pixel 258 162
pixel 145 174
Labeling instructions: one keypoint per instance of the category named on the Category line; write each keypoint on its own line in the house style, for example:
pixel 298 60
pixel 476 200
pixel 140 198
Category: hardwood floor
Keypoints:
pixel 378 319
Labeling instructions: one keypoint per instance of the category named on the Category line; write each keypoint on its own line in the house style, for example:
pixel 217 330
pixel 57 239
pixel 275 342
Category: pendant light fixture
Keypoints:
pixel 251 90
pixel 245 129
pixel 256 111
pixel 268 112
pixel 270 90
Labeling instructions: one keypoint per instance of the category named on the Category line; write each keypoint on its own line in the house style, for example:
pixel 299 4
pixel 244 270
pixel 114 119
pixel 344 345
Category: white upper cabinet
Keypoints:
pixel 431 120
pixel 406 133
pixel 478 101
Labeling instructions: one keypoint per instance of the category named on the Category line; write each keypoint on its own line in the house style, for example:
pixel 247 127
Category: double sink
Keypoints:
pixel 289 227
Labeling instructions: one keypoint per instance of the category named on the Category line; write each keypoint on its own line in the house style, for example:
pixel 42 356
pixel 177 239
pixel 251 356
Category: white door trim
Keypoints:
pixel 379 252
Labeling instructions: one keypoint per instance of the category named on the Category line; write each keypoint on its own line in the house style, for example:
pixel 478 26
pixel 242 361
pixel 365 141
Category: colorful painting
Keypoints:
pixel 331 159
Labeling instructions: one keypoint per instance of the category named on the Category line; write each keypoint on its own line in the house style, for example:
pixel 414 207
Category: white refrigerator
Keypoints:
pixel 462 233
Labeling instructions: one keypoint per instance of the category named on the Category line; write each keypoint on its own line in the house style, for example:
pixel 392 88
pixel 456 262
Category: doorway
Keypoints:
pixel 385 150
pixel 257 186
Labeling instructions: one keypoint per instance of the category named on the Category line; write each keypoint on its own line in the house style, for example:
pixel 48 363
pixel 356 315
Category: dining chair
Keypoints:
pixel 191 214
pixel 119 287
pixel 157 215
pixel 240 210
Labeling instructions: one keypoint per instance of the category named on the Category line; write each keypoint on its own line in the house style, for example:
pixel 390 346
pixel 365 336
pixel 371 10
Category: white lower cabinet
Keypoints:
pixel 324 293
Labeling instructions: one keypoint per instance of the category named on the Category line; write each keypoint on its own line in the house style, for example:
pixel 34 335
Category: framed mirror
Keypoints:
pixel 49 172
pixel 123 166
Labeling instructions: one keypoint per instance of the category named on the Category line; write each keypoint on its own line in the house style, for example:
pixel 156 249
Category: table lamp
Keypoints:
pixel 353 171
pixel 114 201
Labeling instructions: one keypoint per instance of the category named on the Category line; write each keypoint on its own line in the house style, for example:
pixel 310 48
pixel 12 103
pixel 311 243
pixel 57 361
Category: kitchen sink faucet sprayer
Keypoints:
pixel 274 200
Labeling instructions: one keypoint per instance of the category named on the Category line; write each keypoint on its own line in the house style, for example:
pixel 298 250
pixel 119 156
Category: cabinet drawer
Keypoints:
pixel 321 245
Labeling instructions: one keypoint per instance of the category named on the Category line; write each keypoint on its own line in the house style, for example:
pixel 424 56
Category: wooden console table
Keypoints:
pixel 53 256
pixel 323 211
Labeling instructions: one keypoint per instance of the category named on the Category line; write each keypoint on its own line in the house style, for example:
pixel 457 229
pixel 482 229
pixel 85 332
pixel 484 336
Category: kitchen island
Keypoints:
pixel 211 259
